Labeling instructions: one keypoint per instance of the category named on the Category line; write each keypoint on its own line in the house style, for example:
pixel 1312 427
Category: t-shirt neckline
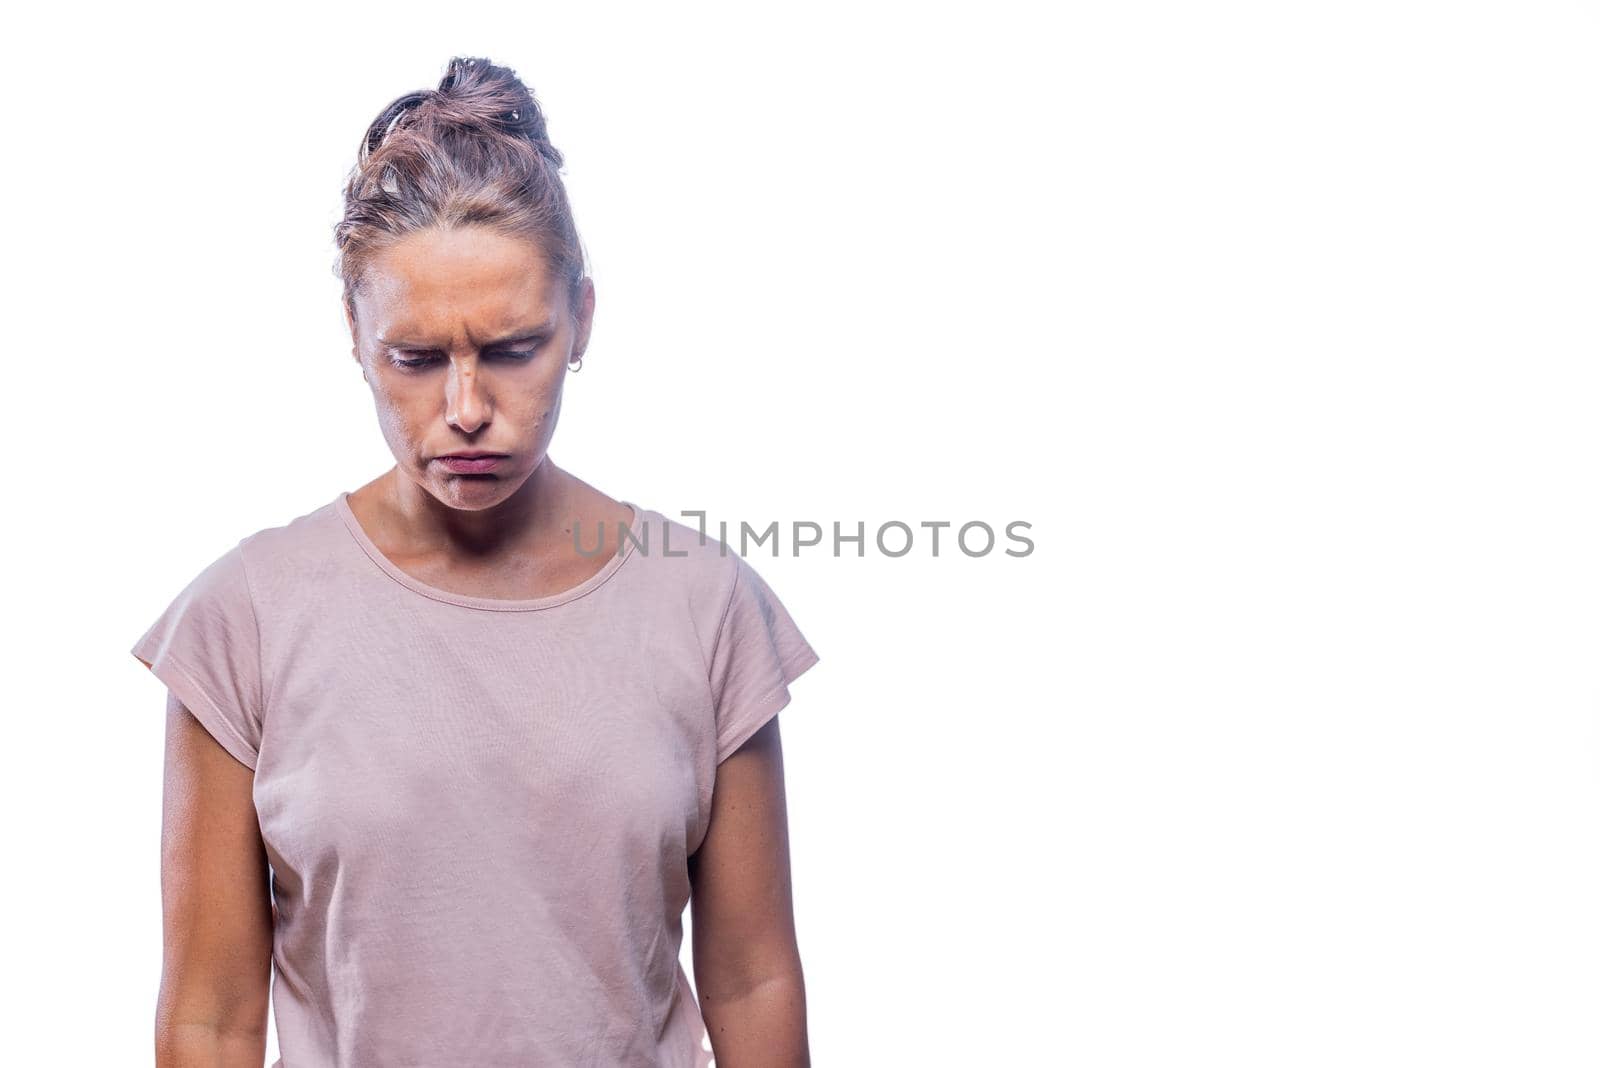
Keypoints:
pixel 493 604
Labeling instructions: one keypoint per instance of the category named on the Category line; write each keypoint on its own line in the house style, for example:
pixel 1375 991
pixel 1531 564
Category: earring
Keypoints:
pixel 577 366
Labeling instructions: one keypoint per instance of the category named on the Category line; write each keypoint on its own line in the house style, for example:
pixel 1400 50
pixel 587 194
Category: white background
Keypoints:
pixel 1276 321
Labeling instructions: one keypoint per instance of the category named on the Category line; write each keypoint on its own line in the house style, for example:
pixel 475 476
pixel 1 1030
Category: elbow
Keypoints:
pixel 221 1028
pixel 723 985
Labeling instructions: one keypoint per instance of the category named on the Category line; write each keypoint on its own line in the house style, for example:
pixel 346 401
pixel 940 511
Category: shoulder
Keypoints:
pixel 750 646
pixel 681 566
pixel 231 583
pixel 295 550
pixel 702 569
pixel 690 559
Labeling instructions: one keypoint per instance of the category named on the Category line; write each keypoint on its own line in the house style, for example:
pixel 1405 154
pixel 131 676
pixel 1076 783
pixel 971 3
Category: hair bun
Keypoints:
pixel 477 93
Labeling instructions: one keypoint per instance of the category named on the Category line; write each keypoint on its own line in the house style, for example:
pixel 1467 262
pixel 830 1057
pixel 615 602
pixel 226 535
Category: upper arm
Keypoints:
pixel 215 900
pixel 742 903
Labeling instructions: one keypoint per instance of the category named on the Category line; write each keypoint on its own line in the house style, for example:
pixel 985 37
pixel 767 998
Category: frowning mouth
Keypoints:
pixel 467 463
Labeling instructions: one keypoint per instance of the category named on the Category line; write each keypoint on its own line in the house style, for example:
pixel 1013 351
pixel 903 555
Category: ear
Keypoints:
pixel 350 320
pixel 585 319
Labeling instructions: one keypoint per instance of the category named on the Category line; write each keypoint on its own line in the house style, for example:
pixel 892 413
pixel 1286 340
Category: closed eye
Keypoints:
pixel 414 360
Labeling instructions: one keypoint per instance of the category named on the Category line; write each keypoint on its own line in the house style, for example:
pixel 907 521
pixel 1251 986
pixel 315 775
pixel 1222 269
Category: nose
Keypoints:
pixel 467 402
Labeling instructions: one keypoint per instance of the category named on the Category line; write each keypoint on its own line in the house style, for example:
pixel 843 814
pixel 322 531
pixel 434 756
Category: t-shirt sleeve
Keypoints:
pixel 759 651
pixel 206 648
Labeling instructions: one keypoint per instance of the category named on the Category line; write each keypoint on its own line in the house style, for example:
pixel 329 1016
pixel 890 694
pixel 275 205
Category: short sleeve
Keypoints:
pixel 206 648
pixel 759 651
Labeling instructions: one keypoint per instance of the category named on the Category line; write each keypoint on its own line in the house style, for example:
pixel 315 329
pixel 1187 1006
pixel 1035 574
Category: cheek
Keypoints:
pixel 550 412
pixel 542 406
pixel 402 418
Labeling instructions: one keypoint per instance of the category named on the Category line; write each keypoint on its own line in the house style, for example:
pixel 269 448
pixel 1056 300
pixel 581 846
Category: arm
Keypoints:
pixel 746 961
pixel 216 907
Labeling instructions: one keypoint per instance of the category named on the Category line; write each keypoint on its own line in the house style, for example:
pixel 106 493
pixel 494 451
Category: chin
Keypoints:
pixel 472 491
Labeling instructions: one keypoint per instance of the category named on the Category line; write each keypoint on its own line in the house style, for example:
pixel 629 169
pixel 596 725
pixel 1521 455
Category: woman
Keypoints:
pixel 454 750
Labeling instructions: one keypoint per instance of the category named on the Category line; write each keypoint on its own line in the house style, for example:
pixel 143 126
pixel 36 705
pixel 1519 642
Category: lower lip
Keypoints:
pixel 476 465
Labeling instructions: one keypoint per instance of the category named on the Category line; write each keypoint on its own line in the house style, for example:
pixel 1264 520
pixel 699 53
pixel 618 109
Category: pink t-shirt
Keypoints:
pixel 478 812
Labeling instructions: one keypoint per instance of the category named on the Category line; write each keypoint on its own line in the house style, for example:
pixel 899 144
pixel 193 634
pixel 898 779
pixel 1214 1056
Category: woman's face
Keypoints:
pixel 464 336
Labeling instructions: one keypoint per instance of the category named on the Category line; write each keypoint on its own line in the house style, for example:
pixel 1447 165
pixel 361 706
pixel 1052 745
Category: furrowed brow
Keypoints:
pixel 523 333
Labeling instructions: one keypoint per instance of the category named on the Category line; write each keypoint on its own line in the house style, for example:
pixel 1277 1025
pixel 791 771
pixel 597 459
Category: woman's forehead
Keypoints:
pixel 454 287
pixel 436 259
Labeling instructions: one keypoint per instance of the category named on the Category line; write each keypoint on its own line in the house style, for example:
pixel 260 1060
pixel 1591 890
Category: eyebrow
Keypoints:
pixel 528 333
